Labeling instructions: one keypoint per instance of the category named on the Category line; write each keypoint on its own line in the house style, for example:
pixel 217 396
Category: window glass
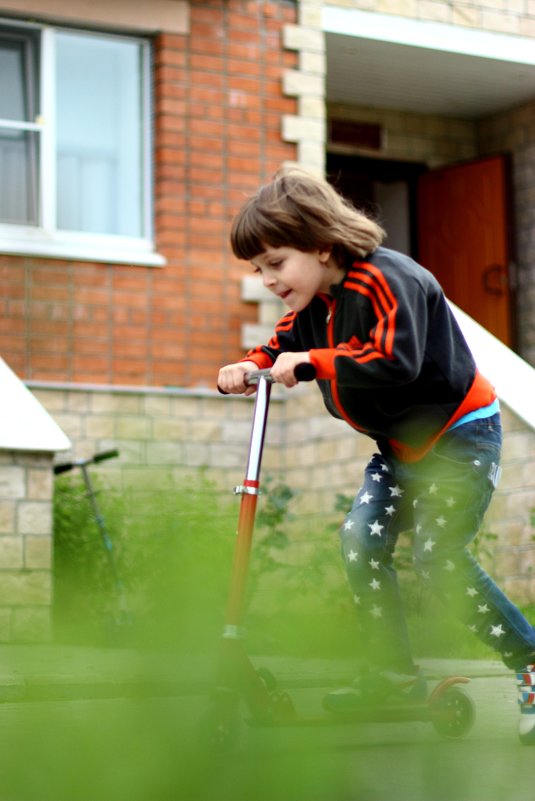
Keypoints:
pixel 98 141
pixel 18 147
pixel 13 90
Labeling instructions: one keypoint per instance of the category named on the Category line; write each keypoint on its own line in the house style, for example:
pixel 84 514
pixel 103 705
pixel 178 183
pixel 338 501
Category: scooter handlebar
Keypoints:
pixel 303 372
pixel 98 457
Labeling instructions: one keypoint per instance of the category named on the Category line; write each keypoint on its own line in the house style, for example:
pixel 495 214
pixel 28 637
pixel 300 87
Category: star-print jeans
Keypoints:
pixel 441 499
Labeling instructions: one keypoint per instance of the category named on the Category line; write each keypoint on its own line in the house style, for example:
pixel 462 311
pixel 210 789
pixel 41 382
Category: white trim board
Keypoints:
pixel 430 35
pixel 25 425
pixel 513 378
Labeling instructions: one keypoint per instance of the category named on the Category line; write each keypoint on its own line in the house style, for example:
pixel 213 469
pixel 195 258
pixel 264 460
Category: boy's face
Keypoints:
pixel 293 275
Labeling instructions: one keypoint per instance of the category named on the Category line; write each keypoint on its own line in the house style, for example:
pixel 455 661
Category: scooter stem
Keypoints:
pixel 249 492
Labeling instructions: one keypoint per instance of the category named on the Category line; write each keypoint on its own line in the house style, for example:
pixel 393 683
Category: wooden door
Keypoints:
pixel 464 239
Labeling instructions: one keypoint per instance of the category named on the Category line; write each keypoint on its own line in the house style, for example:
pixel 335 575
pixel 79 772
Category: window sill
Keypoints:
pixel 121 251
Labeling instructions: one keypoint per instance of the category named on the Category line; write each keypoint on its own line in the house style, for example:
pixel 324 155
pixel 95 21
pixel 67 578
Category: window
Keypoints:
pixel 75 167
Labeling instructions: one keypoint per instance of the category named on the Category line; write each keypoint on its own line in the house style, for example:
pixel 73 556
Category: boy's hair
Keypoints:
pixel 301 211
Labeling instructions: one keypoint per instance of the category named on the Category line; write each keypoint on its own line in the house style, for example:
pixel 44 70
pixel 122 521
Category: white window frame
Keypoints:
pixel 45 239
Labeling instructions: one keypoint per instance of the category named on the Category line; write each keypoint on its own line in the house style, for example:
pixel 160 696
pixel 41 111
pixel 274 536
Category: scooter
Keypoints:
pixel 122 614
pixel 448 708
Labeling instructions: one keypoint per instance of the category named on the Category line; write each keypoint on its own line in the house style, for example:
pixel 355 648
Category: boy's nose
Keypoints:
pixel 269 280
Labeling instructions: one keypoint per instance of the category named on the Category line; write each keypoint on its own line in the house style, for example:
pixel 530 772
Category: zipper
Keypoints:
pixel 331 304
pixel 330 311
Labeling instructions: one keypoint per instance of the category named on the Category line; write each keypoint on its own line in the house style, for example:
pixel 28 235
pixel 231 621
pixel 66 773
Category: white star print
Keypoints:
pixel 390 510
pixel 418 528
pixel 415 503
pixel 352 556
pixel 348 525
pixel 385 469
pixel 429 545
pixel 425 575
pixel 375 585
pixel 473 628
pixel 482 609
pixel 450 502
pixel 396 492
pixel 471 591
pixel 376 611
pixel 440 521
pixel 497 631
pixel 356 599
pixel 449 566
pixel 377 477
pixel 375 528
pixel 433 489
pixel 365 498
pixel 374 564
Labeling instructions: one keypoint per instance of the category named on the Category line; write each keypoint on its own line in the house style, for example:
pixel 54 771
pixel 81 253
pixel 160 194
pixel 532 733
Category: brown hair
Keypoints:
pixel 301 211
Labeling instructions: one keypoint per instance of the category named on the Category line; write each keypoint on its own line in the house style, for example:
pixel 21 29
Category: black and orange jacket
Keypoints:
pixel 389 355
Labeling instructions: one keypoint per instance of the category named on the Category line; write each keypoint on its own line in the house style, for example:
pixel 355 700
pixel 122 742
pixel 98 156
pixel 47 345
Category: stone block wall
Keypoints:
pixel 25 546
pixel 514 133
pixel 490 15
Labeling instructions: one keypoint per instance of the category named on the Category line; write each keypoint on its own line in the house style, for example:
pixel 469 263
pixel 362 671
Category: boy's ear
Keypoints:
pixel 325 255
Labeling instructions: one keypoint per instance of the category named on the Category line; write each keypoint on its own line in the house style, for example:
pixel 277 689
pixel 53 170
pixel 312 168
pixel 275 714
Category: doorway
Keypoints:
pixel 386 189
pixel 455 220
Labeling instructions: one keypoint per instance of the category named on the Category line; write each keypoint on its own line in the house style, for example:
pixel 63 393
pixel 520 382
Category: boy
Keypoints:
pixel 391 361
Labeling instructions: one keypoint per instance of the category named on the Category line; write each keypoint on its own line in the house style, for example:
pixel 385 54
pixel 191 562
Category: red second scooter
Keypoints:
pixel 448 708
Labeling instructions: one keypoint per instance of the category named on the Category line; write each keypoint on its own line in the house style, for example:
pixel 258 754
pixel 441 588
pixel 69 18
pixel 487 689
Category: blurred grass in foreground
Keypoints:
pixel 174 552
pixel 174 549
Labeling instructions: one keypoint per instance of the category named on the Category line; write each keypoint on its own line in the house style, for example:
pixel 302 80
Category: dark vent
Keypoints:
pixel 355 134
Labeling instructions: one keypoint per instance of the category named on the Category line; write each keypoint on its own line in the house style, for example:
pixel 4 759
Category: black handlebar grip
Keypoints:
pixel 305 372
pixel 100 457
pixel 63 468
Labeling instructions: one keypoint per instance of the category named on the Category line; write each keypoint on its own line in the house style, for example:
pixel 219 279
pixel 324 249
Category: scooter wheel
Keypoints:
pixel 268 679
pixel 453 713
pixel 220 727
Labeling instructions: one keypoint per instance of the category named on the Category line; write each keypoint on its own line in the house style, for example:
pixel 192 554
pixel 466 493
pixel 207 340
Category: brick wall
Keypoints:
pixel 218 105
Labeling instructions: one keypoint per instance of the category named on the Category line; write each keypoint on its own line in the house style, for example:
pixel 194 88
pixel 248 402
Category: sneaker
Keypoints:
pixel 525 681
pixel 372 689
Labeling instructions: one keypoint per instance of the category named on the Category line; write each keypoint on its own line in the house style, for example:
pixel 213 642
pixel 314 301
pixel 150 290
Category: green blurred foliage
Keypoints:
pixel 172 550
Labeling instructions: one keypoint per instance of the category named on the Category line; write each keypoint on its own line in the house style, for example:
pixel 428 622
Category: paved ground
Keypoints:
pixel 29 672
pixel 84 724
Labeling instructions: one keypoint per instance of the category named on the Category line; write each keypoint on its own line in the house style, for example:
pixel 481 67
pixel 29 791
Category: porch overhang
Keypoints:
pixel 391 62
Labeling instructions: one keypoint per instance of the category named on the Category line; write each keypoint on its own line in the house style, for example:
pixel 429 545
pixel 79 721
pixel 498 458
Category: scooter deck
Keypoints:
pixel 383 714
pixel 449 710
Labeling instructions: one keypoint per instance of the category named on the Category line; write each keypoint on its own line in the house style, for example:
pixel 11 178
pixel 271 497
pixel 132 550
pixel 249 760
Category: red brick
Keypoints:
pixel 50 293
pixel 170 122
pixel 170 105
pixel 171 41
pixel 12 343
pixel 94 346
pixel 128 371
pixel 170 74
pixel 43 364
pixel 203 63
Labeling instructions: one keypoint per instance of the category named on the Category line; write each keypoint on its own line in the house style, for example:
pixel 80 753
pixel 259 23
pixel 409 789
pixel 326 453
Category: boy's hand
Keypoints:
pixel 283 371
pixel 231 378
